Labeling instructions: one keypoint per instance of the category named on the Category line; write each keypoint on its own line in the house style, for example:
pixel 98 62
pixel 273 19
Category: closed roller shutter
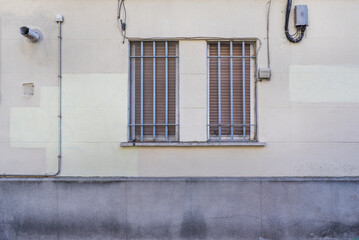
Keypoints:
pixel 154 67
pixel 229 104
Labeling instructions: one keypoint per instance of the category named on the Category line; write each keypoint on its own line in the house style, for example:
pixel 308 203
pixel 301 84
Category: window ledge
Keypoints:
pixel 193 144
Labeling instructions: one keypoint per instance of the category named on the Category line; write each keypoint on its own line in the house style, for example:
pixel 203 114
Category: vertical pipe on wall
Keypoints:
pixel 60 99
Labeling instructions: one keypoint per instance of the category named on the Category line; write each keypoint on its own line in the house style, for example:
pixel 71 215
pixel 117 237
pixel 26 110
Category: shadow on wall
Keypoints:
pixel 193 226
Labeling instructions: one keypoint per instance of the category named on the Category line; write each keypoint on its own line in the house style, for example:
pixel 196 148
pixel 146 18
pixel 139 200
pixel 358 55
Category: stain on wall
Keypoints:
pixel 308 83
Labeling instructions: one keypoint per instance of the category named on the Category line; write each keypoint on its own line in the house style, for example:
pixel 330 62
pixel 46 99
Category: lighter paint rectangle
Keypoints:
pixel 318 83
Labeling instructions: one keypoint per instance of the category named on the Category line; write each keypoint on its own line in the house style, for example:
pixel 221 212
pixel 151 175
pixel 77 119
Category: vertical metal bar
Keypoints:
pixel 133 81
pixel 141 91
pixel 129 93
pixel 219 92
pixel 178 92
pixel 244 88
pixel 154 90
pixel 255 92
pixel 208 107
pixel 231 76
pixel 166 91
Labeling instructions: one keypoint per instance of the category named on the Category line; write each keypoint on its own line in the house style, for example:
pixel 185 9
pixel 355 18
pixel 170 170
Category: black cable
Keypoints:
pixel 298 36
pixel 122 22
pixel 125 13
pixel 295 34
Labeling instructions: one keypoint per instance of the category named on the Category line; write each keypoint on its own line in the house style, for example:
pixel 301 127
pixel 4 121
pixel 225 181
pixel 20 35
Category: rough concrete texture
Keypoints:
pixel 213 208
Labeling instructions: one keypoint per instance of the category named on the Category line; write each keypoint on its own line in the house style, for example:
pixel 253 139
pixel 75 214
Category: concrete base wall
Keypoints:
pixel 185 208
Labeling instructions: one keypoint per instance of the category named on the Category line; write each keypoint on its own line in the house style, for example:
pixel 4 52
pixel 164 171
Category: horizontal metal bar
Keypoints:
pixel 211 39
pixel 235 40
pixel 154 124
pixel 153 57
pixel 194 144
pixel 232 57
pixel 229 125
pixel 237 139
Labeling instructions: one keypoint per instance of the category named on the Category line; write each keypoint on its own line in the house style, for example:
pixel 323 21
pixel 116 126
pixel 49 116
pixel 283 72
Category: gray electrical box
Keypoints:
pixel 301 15
pixel 264 73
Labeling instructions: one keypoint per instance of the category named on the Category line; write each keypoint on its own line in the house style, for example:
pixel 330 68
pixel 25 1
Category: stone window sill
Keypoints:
pixel 193 144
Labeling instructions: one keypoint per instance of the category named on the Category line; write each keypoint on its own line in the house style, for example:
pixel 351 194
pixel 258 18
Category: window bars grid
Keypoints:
pixel 230 105
pixel 153 90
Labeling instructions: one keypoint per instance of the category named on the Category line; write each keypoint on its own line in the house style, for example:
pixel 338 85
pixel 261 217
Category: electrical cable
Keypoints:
pixel 268 12
pixel 298 36
pixel 121 23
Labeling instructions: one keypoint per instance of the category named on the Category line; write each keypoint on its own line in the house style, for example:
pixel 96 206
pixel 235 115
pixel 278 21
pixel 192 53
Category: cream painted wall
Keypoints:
pixel 193 90
pixel 324 83
pixel 307 113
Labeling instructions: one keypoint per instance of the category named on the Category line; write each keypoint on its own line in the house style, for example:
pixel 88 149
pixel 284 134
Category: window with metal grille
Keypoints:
pixel 231 93
pixel 153 91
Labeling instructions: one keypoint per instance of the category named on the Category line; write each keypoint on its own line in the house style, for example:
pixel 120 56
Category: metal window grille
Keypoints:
pixel 153 91
pixel 231 91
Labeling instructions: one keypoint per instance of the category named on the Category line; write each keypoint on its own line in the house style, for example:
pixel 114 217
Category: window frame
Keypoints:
pixel 131 102
pixel 253 124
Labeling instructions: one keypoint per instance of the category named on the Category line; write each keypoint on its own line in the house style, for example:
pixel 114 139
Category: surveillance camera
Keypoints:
pixel 30 34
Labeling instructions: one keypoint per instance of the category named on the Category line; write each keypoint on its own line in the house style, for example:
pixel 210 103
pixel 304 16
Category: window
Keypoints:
pixel 231 114
pixel 153 91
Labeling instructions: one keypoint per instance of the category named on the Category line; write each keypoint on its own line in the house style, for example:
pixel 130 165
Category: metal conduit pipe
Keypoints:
pixel 59 20
pixel 29 34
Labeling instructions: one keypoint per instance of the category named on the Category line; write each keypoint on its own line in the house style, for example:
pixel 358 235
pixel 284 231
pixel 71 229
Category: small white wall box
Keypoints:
pixel 28 89
pixel 59 18
pixel 264 73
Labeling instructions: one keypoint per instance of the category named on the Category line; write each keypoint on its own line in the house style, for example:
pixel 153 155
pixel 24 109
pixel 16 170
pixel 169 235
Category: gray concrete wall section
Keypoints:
pixel 186 208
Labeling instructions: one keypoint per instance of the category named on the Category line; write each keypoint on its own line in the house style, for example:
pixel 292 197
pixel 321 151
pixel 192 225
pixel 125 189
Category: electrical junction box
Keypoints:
pixel 301 15
pixel 264 73
pixel 59 18
pixel 28 89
